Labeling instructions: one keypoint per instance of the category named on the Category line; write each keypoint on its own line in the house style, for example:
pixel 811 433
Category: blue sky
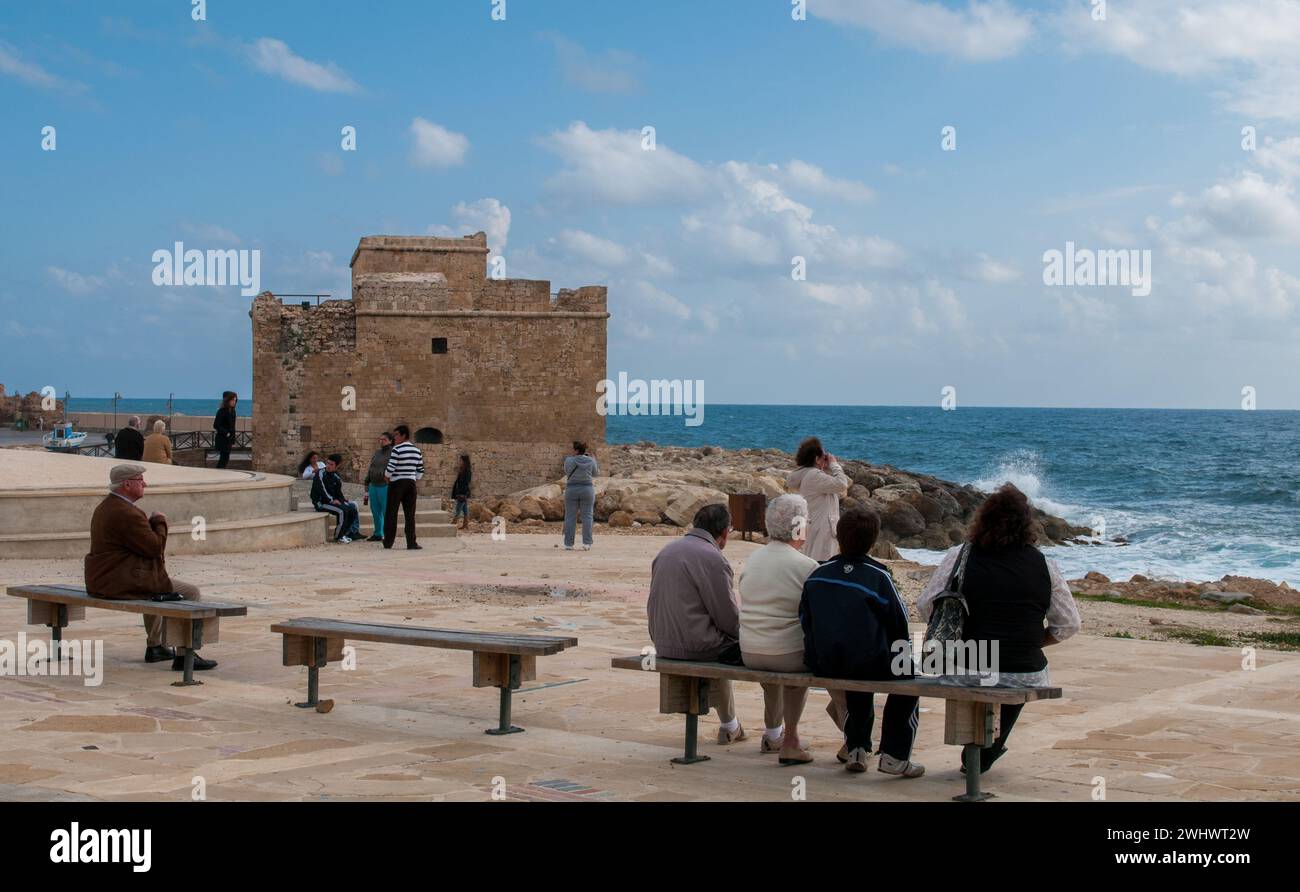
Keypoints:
pixel 775 139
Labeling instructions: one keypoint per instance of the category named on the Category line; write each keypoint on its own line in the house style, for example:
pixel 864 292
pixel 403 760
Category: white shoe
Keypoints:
pixel 586 548
pixel 568 548
pixel 343 540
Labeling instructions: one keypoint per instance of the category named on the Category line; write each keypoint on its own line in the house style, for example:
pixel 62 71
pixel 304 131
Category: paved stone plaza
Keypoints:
pixel 1156 720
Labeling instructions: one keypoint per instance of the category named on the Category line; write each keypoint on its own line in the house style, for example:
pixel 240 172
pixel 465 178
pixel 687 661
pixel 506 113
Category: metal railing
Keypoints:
pixel 183 440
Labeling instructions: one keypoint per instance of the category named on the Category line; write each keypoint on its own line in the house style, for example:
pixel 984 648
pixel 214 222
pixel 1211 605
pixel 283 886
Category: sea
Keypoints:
pixel 1195 494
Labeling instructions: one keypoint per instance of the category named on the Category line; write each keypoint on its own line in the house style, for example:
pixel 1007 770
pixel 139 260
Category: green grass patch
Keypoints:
pixel 1128 635
pixel 1149 602
pixel 1277 640
pixel 1201 637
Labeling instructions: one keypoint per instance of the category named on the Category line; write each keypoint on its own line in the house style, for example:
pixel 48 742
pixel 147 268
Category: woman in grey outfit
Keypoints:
pixel 580 472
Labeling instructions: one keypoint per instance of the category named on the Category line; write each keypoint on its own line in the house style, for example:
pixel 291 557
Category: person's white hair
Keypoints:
pixel 786 515
pixel 159 426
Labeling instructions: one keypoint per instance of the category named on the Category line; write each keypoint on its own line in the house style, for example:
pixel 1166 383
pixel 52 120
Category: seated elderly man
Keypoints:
pixel 771 638
pixel 852 617
pixel 692 608
pixel 127 559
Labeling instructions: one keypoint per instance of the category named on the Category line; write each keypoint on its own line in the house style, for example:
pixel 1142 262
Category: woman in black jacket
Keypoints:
pixel 460 491
pixel 1018 601
pixel 224 425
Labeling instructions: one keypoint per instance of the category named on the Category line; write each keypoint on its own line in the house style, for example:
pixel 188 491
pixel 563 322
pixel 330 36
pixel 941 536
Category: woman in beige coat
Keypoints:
pixel 158 446
pixel 822 482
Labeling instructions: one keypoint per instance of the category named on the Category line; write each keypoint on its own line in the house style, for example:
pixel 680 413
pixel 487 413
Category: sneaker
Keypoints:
pixel 767 746
pixel 586 548
pixel 843 754
pixel 795 755
pixel 342 540
pixel 375 539
pixel 988 756
pixel 414 547
pixel 899 767
pixel 200 664
pixel 158 654
pixel 568 548
pixel 725 737
pixel 856 761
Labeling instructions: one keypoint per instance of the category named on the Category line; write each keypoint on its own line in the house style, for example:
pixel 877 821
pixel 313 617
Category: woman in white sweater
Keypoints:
pixel 771 636
pixel 819 479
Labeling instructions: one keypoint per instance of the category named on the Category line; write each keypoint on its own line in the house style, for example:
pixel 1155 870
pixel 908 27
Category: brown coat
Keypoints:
pixel 158 448
pixel 692 608
pixel 126 557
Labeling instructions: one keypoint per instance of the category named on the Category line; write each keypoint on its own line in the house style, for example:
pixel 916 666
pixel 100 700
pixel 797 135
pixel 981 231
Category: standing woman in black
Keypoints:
pixel 1017 598
pixel 224 425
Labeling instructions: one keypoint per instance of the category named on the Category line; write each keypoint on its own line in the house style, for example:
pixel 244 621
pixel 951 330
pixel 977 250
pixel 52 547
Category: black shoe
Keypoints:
pixel 158 654
pixel 414 547
pixel 988 755
pixel 200 664
pixel 375 539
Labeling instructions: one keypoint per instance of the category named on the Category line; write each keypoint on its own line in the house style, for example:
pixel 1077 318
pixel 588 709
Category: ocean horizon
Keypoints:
pixel 1197 493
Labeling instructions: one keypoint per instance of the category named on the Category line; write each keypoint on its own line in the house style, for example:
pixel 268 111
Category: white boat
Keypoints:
pixel 64 439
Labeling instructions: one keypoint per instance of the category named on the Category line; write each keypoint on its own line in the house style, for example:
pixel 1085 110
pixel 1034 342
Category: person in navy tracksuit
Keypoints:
pixel 854 622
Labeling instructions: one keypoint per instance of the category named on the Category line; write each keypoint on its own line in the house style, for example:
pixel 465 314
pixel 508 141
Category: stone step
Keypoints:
pixel 422 530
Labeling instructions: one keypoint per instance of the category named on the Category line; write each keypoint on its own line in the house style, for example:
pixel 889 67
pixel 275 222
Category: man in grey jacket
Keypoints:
pixel 693 610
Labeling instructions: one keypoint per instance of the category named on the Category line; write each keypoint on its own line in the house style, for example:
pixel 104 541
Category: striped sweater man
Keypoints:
pixel 405 468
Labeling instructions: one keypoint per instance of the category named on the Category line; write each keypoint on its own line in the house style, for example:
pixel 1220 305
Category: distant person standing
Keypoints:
pixel 129 442
pixel 158 446
pixel 405 468
pixel 224 425
pixel 377 486
pixel 822 482
pixel 460 491
pixel 580 472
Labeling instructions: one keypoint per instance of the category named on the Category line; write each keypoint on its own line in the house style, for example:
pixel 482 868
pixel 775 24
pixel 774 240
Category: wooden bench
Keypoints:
pixel 970 719
pixel 500 660
pixel 188 624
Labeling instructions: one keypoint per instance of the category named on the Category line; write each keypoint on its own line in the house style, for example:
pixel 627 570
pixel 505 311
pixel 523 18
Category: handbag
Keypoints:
pixel 949 612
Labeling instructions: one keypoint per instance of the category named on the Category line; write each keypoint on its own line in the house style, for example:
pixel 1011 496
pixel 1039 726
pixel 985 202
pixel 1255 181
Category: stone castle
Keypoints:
pixel 496 368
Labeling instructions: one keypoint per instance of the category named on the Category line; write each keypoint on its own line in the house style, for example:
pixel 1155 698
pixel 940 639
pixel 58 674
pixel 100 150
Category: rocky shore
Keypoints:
pixel 650 486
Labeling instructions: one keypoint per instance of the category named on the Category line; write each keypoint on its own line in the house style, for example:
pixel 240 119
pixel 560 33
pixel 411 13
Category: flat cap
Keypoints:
pixel 123 472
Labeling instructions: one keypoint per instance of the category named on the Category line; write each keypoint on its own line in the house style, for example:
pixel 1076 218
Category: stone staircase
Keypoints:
pixel 431 522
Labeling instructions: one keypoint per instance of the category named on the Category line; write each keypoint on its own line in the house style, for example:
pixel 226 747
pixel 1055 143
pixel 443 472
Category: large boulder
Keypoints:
pixel 552 509
pixel 901 518
pixel 927 507
pixel 895 491
pixel 681 510
pixel 530 508
pixel 620 519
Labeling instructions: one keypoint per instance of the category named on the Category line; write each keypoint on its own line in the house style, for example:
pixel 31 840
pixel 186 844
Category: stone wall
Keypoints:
pixel 15 406
pixel 494 367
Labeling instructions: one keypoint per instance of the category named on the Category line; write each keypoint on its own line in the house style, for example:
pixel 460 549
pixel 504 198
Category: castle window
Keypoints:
pixel 428 435
pixel 439 345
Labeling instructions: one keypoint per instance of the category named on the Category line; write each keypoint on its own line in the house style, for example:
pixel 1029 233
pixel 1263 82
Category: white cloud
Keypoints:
pixel 981 32
pixel 274 57
pixel 436 146
pixel 1244 49
pixel 593 248
pixel 660 302
pixel 73 282
pixel 612 71
pixel 611 166
pixel 811 178
pixel 488 215
pixel 12 64
pixel 986 269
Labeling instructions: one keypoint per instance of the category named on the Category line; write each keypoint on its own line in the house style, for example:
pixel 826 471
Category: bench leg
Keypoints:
pixel 691 755
pixel 56 633
pixel 503 712
pixel 196 641
pixel 313 674
pixel 970 756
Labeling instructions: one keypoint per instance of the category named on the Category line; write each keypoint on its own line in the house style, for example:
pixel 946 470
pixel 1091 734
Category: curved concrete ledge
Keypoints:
pixel 47 500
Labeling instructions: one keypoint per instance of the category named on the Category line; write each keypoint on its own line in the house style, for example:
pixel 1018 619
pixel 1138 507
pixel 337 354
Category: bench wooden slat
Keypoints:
pixel 934 689
pixel 419 636
pixel 71 594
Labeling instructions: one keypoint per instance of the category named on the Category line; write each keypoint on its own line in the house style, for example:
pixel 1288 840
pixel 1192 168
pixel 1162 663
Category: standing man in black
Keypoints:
pixel 405 468
pixel 128 445
pixel 224 425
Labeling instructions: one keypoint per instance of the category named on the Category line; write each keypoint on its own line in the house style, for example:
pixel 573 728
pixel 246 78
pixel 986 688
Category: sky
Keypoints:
pixel 802 228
